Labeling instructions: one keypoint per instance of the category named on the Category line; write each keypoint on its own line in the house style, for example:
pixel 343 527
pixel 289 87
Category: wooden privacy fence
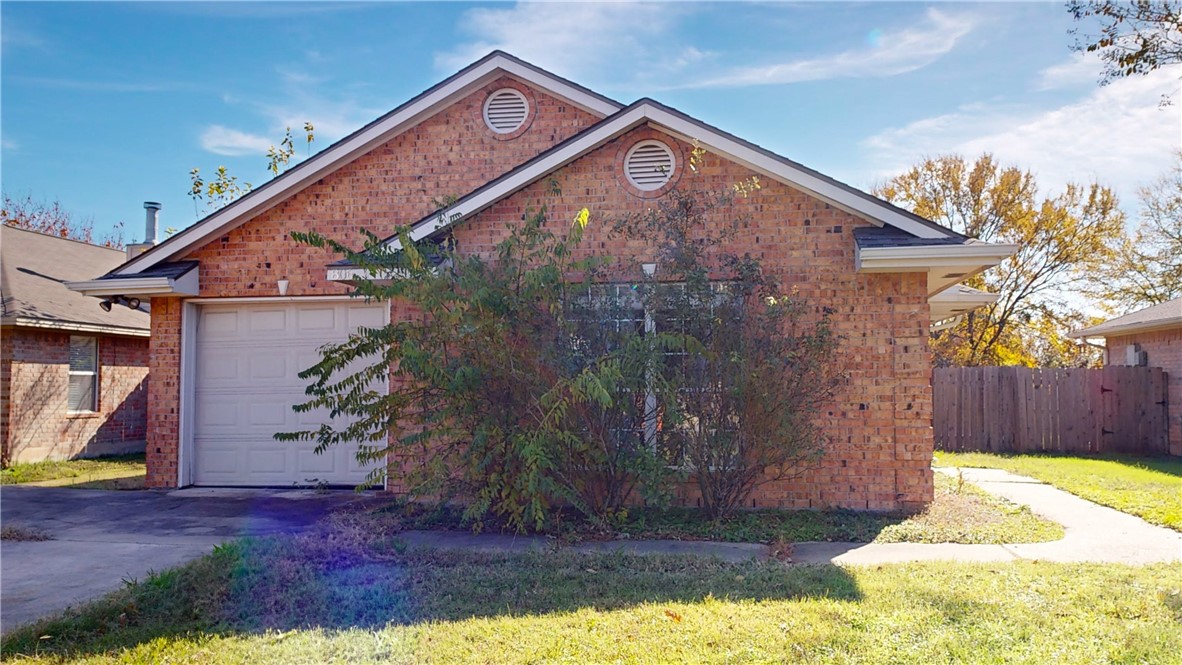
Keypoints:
pixel 1023 409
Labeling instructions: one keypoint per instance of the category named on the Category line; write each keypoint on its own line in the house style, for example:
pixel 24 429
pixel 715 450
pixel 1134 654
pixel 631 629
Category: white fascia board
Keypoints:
pixel 923 259
pixel 957 296
pixel 877 213
pixel 944 324
pixel 188 284
pixel 25 322
pixel 337 156
pixel 1127 329
pixel 480 200
pixel 558 87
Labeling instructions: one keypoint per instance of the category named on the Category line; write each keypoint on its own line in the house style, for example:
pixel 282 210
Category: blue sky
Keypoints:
pixel 106 105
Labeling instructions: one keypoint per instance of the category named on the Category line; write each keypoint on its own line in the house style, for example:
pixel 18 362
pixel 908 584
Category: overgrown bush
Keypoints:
pixel 507 394
pixel 518 390
pixel 762 362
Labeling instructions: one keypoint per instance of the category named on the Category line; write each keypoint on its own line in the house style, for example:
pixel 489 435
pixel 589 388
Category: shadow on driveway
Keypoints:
pixel 100 538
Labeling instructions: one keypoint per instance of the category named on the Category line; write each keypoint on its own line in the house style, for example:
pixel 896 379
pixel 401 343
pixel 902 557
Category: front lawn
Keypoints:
pixel 960 513
pixel 348 594
pixel 116 472
pixel 1150 488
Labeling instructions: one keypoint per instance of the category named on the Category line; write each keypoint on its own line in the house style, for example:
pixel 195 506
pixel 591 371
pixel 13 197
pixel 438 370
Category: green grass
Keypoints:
pixel 960 513
pixel 345 593
pixel 115 472
pixel 1150 488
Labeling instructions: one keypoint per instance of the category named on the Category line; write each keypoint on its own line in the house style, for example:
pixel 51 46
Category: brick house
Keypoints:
pixel 73 378
pixel 1149 337
pixel 238 307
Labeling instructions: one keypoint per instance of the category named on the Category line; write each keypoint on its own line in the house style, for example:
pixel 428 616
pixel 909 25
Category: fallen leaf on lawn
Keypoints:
pixel 673 615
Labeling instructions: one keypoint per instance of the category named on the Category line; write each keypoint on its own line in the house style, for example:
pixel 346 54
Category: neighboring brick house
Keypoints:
pixel 73 378
pixel 1150 337
pixel 238 307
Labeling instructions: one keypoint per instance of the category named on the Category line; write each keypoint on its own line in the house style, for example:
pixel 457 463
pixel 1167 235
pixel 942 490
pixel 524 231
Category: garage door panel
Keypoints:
pixel 366 317
pixel 318 320
pixel 268 321
pixel 219 365
pixel 308 461
pixel 270 365
pixel 218 325
pixel 216 411
pixel 247 382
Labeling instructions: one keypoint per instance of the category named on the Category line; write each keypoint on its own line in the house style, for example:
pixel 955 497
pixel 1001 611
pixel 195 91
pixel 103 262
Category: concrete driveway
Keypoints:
pixel 101 538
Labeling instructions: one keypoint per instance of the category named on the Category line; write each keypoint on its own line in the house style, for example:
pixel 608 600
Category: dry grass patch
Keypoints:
pixel 119 472
pixel 18 533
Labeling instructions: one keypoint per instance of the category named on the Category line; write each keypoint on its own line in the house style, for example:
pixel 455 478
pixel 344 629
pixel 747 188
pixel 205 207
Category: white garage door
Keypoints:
pixel 247 366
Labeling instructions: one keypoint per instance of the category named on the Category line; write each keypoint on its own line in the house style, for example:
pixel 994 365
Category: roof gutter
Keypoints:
pixel 26 322
pixel 1126 329
pixel 924 258
pixel 187 284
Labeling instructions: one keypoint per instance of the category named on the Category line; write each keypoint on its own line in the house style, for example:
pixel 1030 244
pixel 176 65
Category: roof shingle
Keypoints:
pixel 34 268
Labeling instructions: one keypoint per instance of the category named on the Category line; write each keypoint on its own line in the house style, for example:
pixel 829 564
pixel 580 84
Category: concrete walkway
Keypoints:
pixel 1093 533
pixel 103 537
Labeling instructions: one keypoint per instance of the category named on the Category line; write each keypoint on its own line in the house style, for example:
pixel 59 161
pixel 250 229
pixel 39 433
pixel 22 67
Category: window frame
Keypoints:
pixel 623 294
pixel 93 374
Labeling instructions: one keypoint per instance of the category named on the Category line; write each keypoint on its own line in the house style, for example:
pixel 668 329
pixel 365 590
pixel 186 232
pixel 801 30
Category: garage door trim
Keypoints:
pixel 190 315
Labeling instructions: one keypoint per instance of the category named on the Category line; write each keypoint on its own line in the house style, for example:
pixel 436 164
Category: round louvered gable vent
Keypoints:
pixel 649 165
pixel 505 110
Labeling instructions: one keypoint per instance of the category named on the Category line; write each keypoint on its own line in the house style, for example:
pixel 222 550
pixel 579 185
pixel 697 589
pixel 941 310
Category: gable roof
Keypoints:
pixel 1158 317
pixel 421 107
pixel 34 268
pixel 903 223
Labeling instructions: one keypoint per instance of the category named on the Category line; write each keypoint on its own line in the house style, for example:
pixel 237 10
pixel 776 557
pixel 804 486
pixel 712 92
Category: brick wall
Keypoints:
pixel 37 425
pixel 164 359
pixel 448 154
pixel 6 347
pixel 1164 350
pixel 880 425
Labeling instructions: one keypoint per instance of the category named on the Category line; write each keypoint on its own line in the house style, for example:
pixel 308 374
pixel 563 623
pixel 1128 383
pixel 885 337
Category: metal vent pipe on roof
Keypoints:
pixel 152 209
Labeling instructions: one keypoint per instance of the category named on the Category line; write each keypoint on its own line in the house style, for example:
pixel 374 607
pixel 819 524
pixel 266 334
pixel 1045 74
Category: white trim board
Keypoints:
pixel 879 213
pixel 188 284
pixel 922 259
pixel 190 318
pixel 25 322
pixel 341 153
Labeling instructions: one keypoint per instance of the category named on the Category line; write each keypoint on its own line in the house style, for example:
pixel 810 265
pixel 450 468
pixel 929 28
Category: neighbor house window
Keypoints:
pixel 83 394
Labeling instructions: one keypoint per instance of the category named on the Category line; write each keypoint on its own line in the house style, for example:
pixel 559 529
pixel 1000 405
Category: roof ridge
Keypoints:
pixel 58 237
pixel 313 159
pixel 950 234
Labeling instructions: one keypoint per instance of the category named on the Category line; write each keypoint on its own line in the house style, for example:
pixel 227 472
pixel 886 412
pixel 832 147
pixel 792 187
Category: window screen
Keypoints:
pixel 83 393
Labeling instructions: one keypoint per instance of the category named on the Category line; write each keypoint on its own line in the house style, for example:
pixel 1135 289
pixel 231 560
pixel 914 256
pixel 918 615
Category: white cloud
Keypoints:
pixel 15 35
pixel 300 99
pixel 8 144
pixel 1117 135
pixel 893 53
pixel 573 39
pixel 585 40
pixel 1080 69
pixel 233 143
pixel 94 85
